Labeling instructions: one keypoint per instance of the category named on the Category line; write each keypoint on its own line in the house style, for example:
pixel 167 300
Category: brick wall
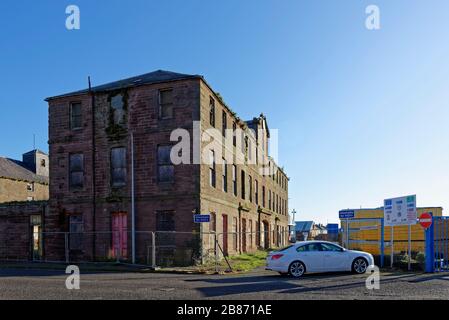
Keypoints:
pixel 15 229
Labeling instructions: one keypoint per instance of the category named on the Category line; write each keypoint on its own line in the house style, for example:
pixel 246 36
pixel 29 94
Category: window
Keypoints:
pixel 212 112
pixel 213 222
pixel 165 225
pixel 76 179
pixel 224 123
pixel 256 191
pixel 234 179
pixel 250 181
pixel 331 247
pixel 225 176
pixel 243 183
pixel 263 196
pixel 234 134
pixel 165 221
pixel 43 163
pixel 165 168
pixel 212 177
pixel 309 247
pixel 75 116
pixel 118 109
pixel 166 104
pixel 30 187
pixel 118 167
pixel 76 229
pixel 269 199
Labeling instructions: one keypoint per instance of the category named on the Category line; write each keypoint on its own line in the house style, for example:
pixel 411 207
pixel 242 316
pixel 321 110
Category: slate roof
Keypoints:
pixel 13 169
pixel 147 78
pixel 303 226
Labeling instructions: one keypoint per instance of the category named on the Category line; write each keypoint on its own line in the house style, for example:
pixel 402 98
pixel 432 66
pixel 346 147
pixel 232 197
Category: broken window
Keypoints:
pixel 118 167
pixel 224 123
pixel 212 112
pixel 76 229
pixel 76 179
pixel 165 167
pixel 118 109
pixel 234 179
pixel 212 177
pixel 166 104
pixel 225 175
pixel 75 116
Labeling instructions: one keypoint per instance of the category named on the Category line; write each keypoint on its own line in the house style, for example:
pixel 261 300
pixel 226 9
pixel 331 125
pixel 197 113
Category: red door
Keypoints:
pixel 120 235
pixel 225 234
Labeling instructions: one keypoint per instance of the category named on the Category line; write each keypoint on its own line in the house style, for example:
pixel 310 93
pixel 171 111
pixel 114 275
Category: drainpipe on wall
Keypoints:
pixel 94 181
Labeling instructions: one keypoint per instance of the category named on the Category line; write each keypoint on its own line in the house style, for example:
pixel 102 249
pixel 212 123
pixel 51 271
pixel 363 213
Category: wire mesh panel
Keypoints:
pixel 440 244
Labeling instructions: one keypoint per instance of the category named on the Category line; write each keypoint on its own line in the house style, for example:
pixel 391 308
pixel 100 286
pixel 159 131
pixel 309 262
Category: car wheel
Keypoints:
pixel 359 266
pixel 296 269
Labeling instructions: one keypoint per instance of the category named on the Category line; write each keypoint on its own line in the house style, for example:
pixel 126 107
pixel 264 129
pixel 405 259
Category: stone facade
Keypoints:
pixel 16 190
pixel 159 206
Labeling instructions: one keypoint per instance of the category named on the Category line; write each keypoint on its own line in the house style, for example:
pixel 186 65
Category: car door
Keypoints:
pixel 312 257
pixel 335 257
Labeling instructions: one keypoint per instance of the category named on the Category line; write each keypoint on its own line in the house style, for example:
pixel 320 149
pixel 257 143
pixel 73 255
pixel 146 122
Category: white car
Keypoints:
pixel 318 256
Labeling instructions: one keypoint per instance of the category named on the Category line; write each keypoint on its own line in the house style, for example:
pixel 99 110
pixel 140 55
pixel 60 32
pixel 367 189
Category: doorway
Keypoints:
pixel 225 234
pixel 36 237
pixel 119 235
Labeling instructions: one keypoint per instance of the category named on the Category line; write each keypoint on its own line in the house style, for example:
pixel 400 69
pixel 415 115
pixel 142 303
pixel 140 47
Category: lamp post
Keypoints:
pixel 292 226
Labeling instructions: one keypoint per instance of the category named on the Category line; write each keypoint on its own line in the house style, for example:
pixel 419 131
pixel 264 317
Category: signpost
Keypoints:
pixel 400 212
pixel 347 214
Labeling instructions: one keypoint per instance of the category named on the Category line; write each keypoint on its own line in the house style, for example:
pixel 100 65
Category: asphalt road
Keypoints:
pixel 259 285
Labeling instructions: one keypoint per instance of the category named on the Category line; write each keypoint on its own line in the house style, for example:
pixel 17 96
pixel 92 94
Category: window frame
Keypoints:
pixel 168 164
pixel 80 116
pixel 118 184
pixel 163 105
pixel 71 172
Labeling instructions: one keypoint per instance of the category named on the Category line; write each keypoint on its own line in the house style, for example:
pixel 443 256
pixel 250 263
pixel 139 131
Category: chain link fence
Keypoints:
pixel 152 248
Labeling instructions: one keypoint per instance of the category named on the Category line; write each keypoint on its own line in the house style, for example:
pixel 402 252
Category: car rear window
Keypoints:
pixel 286 248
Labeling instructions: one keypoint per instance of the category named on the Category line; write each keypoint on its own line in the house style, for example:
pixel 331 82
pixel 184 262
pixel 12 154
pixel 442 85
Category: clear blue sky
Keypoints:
pixel 363 115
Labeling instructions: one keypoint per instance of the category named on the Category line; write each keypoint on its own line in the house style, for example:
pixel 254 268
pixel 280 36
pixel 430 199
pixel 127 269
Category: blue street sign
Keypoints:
pixel 201 218
pixel 347 214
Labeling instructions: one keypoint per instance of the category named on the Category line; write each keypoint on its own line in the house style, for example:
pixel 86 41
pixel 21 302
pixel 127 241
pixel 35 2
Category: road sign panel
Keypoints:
pixel 201 218
pixel 425 220
pixel 346 214
pixel 400 211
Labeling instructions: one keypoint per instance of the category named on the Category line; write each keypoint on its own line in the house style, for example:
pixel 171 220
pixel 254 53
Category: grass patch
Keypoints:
pixel 246 262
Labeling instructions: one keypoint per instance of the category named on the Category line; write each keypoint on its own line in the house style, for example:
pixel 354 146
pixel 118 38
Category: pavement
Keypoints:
pixel 43 284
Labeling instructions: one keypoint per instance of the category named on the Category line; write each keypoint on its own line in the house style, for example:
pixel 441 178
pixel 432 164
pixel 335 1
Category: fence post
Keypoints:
pixel 66 247
pixel 153 250
pixel 216 253
pixel 430 250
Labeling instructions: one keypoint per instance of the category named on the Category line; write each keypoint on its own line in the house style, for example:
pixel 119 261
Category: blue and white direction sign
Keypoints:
pixel 400 211
pixel 201 218
pixel 346 214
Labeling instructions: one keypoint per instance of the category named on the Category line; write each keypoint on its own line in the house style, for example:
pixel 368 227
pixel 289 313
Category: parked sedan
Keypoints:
pixel 318 256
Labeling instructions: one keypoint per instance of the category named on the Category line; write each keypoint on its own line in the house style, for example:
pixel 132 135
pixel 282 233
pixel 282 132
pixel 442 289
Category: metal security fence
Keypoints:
pixel 152 248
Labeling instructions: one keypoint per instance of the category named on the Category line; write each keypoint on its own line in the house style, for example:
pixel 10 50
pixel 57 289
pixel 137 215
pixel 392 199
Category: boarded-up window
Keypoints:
pixel 166 169
pixel 165 225
pixel 76 229
pixel 118 109
pixel 166 104
pixel 76 179
pixel 118 167
pixel 75 116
